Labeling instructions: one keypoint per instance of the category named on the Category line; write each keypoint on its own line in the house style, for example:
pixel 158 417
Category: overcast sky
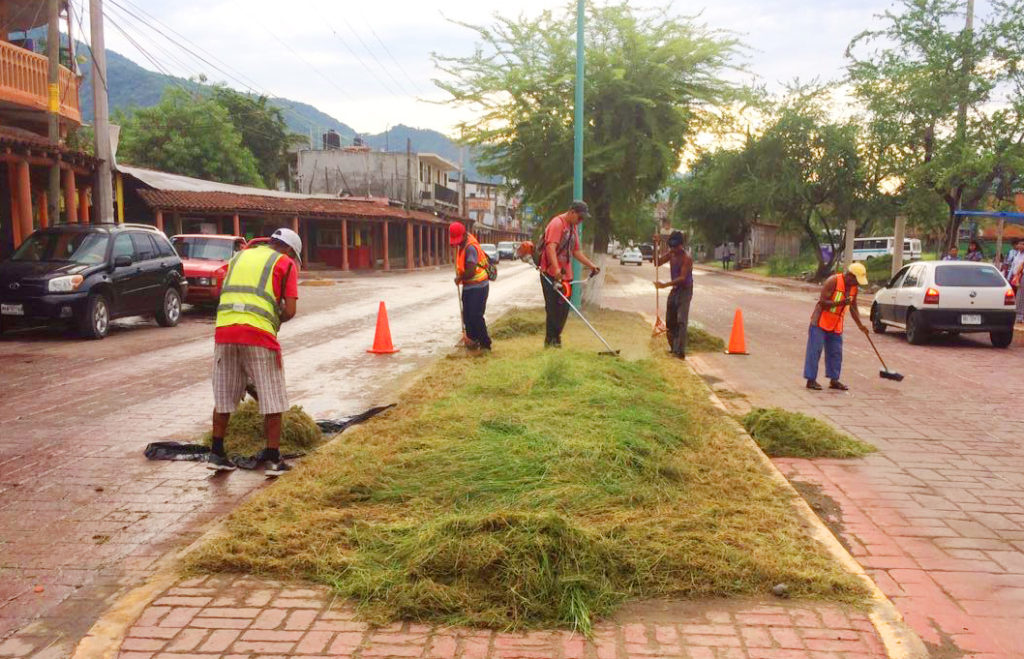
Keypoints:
pixel 368 63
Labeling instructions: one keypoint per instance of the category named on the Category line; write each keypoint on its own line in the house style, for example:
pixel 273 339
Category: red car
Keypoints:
pixel 205 258
pixel 257 241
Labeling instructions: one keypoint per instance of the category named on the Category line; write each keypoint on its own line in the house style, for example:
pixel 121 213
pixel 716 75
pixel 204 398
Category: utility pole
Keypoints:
pixel 408 173
pixel 53 54
pixel 103 194
pixel 462 181
pixel 577 159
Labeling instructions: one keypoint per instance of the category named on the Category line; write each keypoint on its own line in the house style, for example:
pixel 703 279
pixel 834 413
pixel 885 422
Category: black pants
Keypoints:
pixel 678 319
pixel 474 304
pixel 557 311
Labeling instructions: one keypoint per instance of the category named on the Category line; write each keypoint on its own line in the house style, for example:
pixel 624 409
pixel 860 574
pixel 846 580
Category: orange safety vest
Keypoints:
pixel 831 319
pixel 481 264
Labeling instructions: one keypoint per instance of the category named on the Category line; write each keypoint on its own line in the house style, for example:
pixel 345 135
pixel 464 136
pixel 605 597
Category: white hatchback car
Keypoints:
pixel 631 255
pixel 946 296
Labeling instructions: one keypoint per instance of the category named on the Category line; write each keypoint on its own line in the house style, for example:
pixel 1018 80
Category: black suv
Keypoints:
pixel 91 273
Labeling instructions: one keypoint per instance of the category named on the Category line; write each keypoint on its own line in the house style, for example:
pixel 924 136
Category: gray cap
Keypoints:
pixel 580 207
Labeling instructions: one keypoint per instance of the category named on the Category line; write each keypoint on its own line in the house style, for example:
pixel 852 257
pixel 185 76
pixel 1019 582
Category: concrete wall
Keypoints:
pixel 368 173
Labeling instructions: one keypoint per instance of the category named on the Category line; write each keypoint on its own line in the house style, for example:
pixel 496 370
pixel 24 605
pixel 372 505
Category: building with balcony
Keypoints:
pixel 494 209
pixel 27 154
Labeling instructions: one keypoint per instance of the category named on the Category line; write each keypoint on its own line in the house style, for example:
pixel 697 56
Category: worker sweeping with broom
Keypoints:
pixel 838 293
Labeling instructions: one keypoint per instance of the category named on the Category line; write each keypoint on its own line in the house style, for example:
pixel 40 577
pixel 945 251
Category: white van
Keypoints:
pixel 869 248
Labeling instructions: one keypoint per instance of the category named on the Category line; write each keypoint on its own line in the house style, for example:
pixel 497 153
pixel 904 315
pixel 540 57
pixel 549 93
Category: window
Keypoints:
pixel 144 246
pixel 914 278
pixel 980 276
pixel 328 238
pixel 898 279
pixel 66 246
pixel 123 246
pixel 163 246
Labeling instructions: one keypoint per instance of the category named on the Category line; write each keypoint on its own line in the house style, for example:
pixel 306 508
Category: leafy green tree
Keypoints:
pixel 718 197
pixel 648 77
pixel 263 130
pixel 950 102
pixel 189 134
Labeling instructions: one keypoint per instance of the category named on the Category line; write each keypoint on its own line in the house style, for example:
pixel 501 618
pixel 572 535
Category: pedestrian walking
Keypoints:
pixel 1016 277
pixel 838 293
pixel 471 274
pixel 1010 263
pixel 561 243
pixel 259 293
pixel 677 314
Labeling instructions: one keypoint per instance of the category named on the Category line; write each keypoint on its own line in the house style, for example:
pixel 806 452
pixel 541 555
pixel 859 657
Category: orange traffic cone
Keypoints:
pixel 382 339
pixel 737 343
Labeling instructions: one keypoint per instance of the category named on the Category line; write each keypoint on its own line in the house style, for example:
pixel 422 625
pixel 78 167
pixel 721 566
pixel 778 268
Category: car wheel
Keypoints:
pixel 915 334
pixel 1001 339
pixel 95 324
pixel 876 321
pixel 170 312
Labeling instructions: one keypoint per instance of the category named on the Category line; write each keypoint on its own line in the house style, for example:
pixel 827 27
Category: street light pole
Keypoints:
pixel 577 160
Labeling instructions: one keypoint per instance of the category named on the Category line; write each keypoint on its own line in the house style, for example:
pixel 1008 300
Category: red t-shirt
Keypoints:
pixel 566 239
pixel 253 336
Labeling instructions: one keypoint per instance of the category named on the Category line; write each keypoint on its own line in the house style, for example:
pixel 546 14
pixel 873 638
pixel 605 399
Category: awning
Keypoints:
pixel 21 15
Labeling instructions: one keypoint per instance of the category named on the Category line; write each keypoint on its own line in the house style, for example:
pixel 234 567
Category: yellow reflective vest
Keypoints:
pixel 247 297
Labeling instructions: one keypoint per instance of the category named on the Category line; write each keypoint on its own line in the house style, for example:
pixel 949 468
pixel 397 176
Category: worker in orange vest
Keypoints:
pixel 838 293
pixel 471 275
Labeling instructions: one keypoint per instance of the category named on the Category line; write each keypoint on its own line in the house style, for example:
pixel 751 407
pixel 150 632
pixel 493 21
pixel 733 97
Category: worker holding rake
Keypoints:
pixel 677 314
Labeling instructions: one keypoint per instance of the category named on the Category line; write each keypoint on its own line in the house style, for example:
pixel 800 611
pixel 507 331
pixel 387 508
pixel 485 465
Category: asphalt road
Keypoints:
pixel 83 515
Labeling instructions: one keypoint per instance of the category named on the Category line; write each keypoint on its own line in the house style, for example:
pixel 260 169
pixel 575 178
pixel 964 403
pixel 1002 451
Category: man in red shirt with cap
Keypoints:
pixel 561 244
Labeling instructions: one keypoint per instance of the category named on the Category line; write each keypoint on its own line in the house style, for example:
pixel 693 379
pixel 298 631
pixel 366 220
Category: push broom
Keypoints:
pixel 885 373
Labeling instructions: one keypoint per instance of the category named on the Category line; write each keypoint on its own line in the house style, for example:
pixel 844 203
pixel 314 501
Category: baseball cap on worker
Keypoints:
pixel 676 238
pixel 581 208
pixel 860 272
pixel 456 232
pixel 290 238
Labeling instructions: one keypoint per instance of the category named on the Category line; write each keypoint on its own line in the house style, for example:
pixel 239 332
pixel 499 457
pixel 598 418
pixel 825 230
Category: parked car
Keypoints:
pixel 631 255
pixel 263 240
pixel 946 296
pixel 491 250
pixel 647 250
pixel 89 274
pixel 205 259
pixel 507 250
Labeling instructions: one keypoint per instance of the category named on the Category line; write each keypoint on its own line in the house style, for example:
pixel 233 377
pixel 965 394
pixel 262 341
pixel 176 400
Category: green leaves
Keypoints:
pixel 647 77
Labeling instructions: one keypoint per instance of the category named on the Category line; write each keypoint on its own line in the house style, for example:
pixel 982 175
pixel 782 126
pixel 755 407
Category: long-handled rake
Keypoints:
pixel 659 325
pixel 462 316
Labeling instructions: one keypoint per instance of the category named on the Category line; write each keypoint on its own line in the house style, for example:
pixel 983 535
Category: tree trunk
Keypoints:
pixel 600 225
pixel 952 228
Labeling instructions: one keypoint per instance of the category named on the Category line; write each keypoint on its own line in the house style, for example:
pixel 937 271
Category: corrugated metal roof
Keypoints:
pixel 176 182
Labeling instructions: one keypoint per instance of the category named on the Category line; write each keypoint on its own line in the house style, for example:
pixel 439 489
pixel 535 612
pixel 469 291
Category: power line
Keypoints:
pixel 302 59
pixel 359 59
pixel 375 58
pixel 393 59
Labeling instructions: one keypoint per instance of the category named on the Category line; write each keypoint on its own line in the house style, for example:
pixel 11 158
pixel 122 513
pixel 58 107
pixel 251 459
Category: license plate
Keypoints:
pixel 970 319
pixel 12 310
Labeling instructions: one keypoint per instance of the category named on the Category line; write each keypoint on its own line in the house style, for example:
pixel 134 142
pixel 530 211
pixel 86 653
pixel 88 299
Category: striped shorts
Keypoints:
pixel 234 365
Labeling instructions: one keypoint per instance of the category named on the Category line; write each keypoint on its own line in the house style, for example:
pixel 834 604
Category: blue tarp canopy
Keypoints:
pixel 1012 218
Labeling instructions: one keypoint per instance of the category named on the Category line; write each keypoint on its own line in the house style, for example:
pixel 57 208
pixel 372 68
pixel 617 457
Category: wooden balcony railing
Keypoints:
pixel 23 76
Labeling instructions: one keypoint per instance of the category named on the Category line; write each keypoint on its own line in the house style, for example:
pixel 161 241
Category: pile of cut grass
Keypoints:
pixel 699 339
pixel 533 488
pixel 299 432
pixel 784 434
pixel 517 323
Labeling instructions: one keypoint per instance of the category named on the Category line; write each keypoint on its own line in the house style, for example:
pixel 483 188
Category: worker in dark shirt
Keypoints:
pixel 677 315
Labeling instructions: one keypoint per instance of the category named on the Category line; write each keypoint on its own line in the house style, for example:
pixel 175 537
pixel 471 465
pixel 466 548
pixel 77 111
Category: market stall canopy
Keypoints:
pixel 21 15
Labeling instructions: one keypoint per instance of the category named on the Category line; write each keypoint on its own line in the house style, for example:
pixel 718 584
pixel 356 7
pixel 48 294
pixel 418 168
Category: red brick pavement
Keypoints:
pixel 244 617
pixel 937 515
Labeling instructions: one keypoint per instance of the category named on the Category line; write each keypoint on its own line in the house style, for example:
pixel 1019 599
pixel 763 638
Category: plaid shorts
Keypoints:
pixel 234 365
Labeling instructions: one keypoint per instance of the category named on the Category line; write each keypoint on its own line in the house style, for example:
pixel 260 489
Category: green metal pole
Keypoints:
pixel 577 160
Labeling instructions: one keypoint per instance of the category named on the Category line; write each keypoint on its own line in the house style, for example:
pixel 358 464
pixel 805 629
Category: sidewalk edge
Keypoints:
pixel 104 638
pixel 899 639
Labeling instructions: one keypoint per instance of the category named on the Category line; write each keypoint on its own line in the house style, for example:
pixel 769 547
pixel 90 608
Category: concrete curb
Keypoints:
pixel 900 641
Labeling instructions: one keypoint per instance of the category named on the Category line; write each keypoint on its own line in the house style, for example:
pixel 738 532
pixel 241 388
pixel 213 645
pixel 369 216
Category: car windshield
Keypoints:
pixel 979 276
pixel 85 248
pixel 506 246
pixel 488 247
pixel 204 249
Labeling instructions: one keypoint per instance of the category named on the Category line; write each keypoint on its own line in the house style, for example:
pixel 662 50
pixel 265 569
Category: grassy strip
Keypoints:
pixel 299 432
pixel 784 434
pixel 533 488
pixel 700 340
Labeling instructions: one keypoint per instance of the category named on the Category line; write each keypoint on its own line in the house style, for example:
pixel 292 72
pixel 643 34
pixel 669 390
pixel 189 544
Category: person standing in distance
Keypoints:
pixel 259 293
pixel 838 293
pixel 561 243
pixel 677 313
pixel 471 275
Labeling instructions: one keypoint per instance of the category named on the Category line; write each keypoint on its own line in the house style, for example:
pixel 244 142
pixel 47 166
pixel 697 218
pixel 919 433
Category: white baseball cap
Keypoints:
pixel 290 238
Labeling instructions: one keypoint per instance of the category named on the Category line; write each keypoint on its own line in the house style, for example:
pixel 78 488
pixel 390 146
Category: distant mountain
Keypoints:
pixel 130 85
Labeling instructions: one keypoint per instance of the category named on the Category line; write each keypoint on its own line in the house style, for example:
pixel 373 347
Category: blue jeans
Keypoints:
pixel 817 339
pixel 474 304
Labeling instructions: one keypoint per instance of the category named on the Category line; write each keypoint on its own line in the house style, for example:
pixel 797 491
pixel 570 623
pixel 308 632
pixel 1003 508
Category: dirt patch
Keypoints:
pixel 825 507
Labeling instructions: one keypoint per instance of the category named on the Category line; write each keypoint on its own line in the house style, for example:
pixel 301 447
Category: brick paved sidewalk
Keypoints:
pixel 243 617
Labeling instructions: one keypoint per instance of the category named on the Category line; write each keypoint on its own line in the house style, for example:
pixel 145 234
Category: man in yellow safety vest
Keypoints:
pixel 838 293
pixel 259 293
